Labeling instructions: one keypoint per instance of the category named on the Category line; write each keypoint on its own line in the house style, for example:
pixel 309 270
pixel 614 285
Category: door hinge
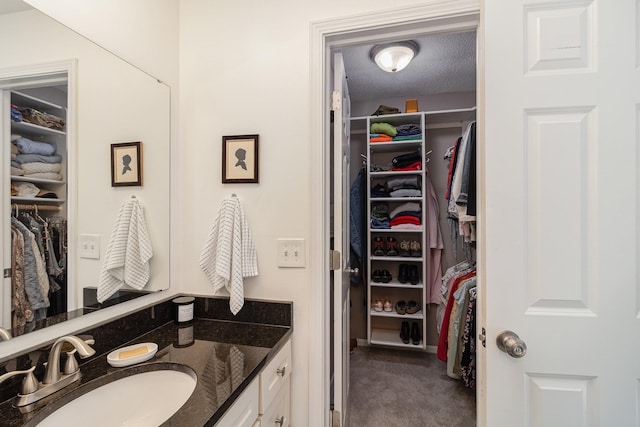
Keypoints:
pixel 334 260
pixel 483 338
pixel 336 100
pixel 7 273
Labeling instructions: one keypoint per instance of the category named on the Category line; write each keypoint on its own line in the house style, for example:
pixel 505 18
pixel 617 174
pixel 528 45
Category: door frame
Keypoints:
pixel 433 16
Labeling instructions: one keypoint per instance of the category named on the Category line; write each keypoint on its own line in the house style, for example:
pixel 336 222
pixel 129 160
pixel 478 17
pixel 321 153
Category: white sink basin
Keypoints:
pixel 141 399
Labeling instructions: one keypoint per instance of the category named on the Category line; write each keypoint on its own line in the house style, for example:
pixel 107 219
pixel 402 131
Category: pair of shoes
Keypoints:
pixel 412 307
pixel 408 273
pixel 410 248
pixel 413 336
pixel 415 249
pixel 381 247
pixel 404 248
pixel 381 276
pixel 377 305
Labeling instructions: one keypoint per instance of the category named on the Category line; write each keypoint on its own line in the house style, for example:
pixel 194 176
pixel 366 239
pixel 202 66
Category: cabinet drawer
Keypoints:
pixel 244 412
pixel 279 412
pixel 274 375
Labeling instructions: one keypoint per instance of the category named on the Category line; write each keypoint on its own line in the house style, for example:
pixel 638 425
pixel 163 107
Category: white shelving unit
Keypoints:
pixel 383 328
pixel 34 132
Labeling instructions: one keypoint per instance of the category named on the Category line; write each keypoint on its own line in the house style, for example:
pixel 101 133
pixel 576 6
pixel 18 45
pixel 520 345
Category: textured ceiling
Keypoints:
pixel 446 63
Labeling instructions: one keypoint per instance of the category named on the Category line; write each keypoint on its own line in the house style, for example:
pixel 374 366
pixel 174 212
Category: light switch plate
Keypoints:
pixel 89 246
pixel 291 253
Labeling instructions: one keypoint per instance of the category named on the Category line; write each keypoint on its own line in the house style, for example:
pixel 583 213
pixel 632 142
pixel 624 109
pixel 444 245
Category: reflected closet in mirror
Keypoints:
pixel 37 141
pixel 62 190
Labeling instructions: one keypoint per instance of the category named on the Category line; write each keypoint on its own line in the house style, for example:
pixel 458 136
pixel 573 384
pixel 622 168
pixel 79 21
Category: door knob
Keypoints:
pixel 353 271
pixel 511 344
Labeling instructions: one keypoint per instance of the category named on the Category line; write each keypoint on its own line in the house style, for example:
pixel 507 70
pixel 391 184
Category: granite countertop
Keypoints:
pixel 225 355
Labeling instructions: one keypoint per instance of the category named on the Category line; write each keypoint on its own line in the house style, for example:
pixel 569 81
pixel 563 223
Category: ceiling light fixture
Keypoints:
pixel 393 57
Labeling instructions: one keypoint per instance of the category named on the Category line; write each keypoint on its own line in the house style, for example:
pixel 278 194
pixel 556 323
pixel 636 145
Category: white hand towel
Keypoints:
pixel 229 254
pixel 127 259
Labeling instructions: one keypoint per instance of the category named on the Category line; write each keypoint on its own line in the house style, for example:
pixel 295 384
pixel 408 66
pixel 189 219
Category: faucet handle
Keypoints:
pixel 29 383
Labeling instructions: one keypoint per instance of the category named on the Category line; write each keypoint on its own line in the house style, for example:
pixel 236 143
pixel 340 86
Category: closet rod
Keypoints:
pixel 34 207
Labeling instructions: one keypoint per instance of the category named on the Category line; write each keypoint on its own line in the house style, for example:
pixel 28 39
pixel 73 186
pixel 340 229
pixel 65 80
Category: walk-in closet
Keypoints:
pixel 413 203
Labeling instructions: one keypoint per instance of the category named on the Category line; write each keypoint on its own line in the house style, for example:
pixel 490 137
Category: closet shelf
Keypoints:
pixel 395 199
pixel 391 230
pixel 35 180
pixel 416 316
pixel 396 284
pixel 31 129
pixel 392 173
pixel 387 147
pixel 36 200
pixel 21 98
pixel 396 258
pixel 391 337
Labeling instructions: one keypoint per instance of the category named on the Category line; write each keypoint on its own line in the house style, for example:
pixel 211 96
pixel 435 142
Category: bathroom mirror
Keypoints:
pixel 110 102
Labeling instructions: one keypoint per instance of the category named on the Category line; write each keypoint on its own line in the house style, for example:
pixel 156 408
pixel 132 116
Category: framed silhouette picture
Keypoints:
pixel 126 164
pixel 239 159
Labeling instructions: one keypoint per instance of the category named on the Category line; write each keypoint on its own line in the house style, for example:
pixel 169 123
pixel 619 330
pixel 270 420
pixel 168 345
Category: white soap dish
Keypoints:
pixel 132 354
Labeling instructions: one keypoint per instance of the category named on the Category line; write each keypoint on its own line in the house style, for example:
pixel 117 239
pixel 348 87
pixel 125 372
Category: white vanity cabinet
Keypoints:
pixel 266 402
pixel 275 387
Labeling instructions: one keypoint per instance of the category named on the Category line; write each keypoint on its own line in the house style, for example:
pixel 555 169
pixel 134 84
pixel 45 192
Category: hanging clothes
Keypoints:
pixel 435 243
pixel 357 223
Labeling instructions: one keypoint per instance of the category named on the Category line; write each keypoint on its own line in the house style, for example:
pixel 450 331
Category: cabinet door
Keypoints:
pixel 274 376
pixel 278 413
pixel 244 411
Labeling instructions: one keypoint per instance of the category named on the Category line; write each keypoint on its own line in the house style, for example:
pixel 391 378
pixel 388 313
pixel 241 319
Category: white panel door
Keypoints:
pixel 562 119
pixel 341 129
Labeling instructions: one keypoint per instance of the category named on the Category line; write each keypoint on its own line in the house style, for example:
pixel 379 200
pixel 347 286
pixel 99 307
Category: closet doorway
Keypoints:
pixel 442 78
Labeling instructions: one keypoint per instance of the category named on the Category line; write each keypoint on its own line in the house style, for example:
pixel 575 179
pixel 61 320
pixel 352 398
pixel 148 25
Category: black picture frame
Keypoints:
pixel 126 164
pixel 240 159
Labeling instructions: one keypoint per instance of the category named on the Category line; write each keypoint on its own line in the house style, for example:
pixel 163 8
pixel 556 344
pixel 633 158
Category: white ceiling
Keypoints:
pixel 445 63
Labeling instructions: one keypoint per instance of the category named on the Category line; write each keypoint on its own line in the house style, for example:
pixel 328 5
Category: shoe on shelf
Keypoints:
pixel 392 246
pixel 401 307
pixel 404 332
pixel 413 274
pixel 412 307
pixel 388 306
pixel 377 276
pixel 403 274
pixel 378 247
pixel 415 249
pixel 415 334
pixel 385 276
pixel 377 304
pixel 404 248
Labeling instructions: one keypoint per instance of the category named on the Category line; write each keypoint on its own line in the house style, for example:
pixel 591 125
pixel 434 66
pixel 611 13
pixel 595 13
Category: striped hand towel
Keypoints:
pixel 128 253
pixel 229 254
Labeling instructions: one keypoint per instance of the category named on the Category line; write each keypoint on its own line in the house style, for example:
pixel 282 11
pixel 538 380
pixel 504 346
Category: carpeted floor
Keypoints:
pixel 406 388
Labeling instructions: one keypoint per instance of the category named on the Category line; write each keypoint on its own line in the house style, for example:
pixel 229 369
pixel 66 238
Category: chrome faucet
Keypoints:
pixel 52 374
pixel 54 380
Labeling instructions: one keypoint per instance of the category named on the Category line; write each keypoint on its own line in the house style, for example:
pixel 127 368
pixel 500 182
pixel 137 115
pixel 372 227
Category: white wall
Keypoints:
pixel 143 32
pixel 245 69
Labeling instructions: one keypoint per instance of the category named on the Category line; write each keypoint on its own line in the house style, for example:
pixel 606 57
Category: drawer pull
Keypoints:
pixel 280 421
pixel 281 371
